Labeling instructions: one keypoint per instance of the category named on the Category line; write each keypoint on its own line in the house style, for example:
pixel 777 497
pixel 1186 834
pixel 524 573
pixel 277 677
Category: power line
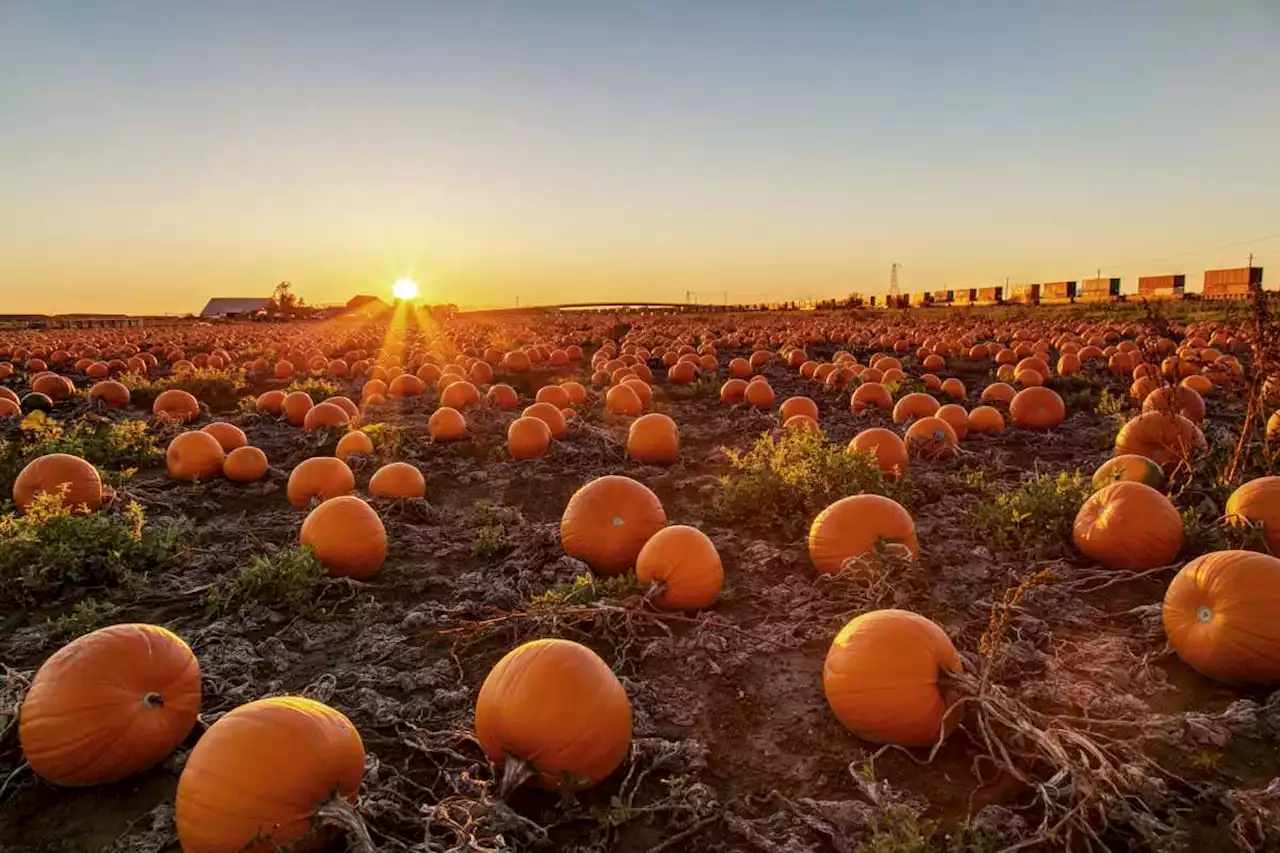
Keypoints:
pixel 1192 252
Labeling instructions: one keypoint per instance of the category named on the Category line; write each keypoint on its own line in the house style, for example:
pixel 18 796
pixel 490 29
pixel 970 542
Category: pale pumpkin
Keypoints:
pixel 556 708
pixel 109 705
pixel 883 678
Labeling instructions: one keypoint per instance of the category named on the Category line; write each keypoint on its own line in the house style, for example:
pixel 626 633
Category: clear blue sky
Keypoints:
pixel 155 153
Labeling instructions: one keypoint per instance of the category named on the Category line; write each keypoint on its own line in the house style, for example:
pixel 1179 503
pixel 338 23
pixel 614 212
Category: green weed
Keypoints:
pixel 319 388
pixel 1038 513
pixel 586 589
pixel 783 483
pixel 286 579
pixel 488 541
pixel 87 616
pixel 208 385
pixel 387 438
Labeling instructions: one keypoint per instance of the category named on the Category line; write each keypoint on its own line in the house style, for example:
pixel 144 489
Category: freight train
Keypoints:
pixel 1239 283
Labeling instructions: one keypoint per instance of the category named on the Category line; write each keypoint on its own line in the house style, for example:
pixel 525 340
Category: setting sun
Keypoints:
pixel 405 288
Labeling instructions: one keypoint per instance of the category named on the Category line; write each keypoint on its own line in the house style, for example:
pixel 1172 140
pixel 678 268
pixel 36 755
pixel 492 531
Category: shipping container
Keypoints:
pixel 964 296
pixel 1099 286
pixel 1024 294
pixel 1230 290
pixel 1161 285
pixel 1058 291
pixel 943 296
pixel 989 295
pixel 919 299
pixel 1248 276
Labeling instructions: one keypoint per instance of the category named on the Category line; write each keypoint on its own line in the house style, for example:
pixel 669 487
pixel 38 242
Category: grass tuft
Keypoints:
pixel 285 580
pixel 1038 513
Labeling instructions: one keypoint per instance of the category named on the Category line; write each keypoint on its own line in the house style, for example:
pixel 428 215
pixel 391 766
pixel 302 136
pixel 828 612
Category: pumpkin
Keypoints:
pixel 245 465
pixel 555 395
pixel 347 537
pixel 654 439
pixel 881 678
pixel 1222 616
pixel 352 443
pixel 1166 438
pixel 53 386
pixel 502 397
pixel 687 565
pixel 1037 407
pixel 956 417
pixel 460 395
pixel 176 405
pixel 847 531
pixel 577 393
pixel 954 389
pixel 1258 502
pixel 325 416
pixel 871 395
pixel 271 402
pixel 319 478
pixel 228 436
pixel 346 404
pixel 642 389
pixel 998 392
pixel 801 422
pixel 887 450
pixel 608 521
pixel 549 414
pixel 398 480
pixel 759 394
pixel 733 391
pixel 295 407
pixel 528 438
pixel 109 705
pixel 110 393
pixel 1128 525
pixel 986 419
pixel 1128 468
pixel 447 424
pixel 798 406
pixel 9 409
pixel 912 406
pixel 194 455
pixel 622 400
pixel 931 438
pixel 405 385
pixel 74 479
pixel 256 778
pixel 554 707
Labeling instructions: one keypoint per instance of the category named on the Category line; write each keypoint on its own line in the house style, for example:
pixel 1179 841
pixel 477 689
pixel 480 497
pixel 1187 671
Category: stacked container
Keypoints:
pixel 989 296
pixel 1024 294
pixel 1099 290
pixel 1162 286
pixel 1058 292
pixel 1238 283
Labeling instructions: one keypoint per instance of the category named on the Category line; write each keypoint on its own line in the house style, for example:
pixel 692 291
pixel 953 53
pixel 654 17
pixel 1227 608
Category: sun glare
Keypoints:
pixel 405 288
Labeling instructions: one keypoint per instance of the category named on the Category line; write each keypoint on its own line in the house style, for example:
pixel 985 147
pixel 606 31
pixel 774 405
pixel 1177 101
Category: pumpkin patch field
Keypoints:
pixel 937 580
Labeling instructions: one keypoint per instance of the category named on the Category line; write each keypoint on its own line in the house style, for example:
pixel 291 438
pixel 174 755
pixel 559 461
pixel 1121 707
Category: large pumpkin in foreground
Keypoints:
pixel 72 478
pixel 608 521
pixel 555 705
pixel 881 678
pixel 109 705
pixel 1222 616
pixel 1128 525
pixel 255 779
pixel 849 529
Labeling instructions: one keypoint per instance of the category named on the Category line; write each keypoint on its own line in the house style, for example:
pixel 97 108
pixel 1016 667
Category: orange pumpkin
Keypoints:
pixel 1222 616
pixel 74 479
pixel 256 778
pixel 954 389
pixel 176 405
pixel 931 438
pixel 733 391
pixel 871 395
pixel 460 395
pixel 319 478
pixel 109 705
pixel 553 394
pixel 346 404
pixel 1258 502
pixel 295 407
pixel 1166 438
pixel 271 402
pixel 112 394
pixel 881 678
pixel 447 424
pixel 549 414
pixel 8 408
pixel 798 406
pixel 352 443
pixel 622 400
pixel 1130 467
pixel 194 456
pixel 912 406
pixel 846 532
pixel 759 394
pixel 528 438
pixel 1037 407
pixel 687 565
pixel 245 465
pixel 229 436
pixel 398 480
pixel 608 521
pixel 502 397
pixel 557 707
pixel 1176 398
pixel 654 439
pixel 956 417
pixel 998 392
pixel 325 416
pixel 887 450
pixel 986 419
pixel 347 537
pixel 1128 525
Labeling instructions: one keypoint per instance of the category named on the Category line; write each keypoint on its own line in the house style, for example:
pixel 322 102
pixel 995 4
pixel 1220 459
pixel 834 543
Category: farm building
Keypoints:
pixel 235 307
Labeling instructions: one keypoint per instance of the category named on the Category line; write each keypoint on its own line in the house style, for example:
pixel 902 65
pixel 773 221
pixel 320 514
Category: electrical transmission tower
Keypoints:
pixel 893 280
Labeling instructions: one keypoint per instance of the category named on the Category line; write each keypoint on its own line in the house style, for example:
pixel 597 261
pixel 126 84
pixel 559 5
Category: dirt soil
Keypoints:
pixel 735 747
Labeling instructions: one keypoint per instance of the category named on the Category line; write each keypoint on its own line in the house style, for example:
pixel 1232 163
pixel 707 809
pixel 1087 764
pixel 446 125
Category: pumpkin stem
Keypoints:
pixel 152 701
pixel 515 772
pixel 340 814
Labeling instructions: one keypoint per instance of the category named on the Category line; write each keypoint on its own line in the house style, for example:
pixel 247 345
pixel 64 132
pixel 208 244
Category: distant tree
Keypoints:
pixel 284 300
